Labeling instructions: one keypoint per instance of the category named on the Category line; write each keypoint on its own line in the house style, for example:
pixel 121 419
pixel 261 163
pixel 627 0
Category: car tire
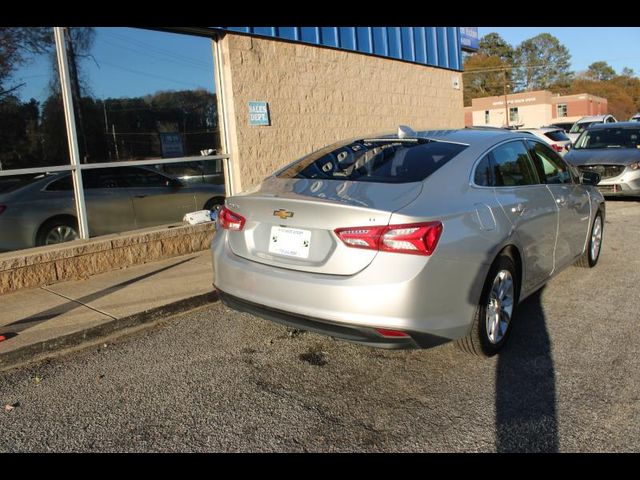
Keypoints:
pixel 57 230
pixel 214 203
pixel 494 313
pixel 590 257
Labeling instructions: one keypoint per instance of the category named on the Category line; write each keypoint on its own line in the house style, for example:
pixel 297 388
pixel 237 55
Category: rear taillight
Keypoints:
pixel 2 208
pixel 413 238
pixel 557 148
pixel 230 220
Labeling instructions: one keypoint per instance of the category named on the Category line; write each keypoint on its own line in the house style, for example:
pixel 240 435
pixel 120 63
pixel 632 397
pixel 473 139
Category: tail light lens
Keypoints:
pixel 557 148
pixel 230 220
pixel 2 208
pixel 413 238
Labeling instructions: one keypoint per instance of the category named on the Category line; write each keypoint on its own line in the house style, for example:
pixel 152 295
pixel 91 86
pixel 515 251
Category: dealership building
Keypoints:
pixel 207 105
pixel 532 109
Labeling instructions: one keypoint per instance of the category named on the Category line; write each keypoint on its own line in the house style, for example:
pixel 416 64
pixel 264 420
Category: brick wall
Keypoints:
pixel 317 96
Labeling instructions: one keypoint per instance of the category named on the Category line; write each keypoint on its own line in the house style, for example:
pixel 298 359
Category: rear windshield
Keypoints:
pixel 557 136
pixel 376 160
pixel 609 138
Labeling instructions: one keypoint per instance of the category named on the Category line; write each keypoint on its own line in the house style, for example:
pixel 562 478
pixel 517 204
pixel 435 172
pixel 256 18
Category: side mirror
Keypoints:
pixel 590 178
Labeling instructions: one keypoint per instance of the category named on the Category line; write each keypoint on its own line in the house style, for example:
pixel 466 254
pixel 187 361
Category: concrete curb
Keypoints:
pixel 46 348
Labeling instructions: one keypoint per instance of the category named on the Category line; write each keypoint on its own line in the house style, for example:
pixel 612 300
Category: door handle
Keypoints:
pixel 139 196
pixel 519 209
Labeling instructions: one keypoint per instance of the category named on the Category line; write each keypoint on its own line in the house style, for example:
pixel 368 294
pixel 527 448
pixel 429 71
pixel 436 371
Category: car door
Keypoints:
pixel 572 199
pixel 157 199
pixel 109 207
pixel 530 208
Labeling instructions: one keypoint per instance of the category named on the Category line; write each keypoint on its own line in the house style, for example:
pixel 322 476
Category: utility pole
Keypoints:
pixel 504 89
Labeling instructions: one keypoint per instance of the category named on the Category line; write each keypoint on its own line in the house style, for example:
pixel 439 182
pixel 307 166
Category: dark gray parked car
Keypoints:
pixel 613 151
pixel 41 210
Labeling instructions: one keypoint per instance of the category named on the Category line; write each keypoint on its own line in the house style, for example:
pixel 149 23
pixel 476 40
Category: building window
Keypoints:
pixel 561 110
pixel 486 117
pixel 513 114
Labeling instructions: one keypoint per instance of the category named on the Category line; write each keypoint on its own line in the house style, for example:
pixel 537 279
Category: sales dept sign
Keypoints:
pixel 258 113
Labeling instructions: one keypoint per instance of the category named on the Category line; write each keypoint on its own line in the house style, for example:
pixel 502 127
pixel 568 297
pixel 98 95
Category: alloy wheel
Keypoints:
pixel 499 306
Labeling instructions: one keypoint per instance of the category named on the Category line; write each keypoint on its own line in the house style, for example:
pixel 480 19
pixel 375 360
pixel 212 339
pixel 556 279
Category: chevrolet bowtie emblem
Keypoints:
pixel 283 214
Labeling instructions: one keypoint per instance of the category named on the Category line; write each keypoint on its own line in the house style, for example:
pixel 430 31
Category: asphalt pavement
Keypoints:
pixel 214 380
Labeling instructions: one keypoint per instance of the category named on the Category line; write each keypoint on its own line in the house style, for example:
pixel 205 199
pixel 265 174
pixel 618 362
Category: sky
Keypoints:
pixel 618 46
pixel 127 62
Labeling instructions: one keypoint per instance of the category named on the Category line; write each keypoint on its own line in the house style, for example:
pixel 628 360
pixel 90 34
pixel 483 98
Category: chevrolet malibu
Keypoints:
pixel 408 240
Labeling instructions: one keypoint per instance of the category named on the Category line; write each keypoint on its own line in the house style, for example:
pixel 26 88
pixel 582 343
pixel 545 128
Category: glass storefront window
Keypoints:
pixel 142 94
pixel 138 95
pixel 32 123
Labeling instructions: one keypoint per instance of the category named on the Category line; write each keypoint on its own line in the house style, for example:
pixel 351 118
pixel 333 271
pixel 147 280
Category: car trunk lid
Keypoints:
pixel 290 223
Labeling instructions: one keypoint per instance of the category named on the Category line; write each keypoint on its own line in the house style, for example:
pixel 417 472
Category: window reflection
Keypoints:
pixel 32 124
pixel 143 94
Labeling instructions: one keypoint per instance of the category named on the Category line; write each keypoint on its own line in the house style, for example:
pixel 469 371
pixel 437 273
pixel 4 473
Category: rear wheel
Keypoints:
pixel 214 203
pixel 58 230
pixel 492 322
pixel 590 257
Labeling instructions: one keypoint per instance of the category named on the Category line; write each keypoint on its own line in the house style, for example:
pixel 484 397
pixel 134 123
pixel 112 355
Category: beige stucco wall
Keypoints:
pixel 319 95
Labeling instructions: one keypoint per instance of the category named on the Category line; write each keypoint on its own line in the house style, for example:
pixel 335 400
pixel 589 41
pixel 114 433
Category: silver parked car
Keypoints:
pixel 554 136
pixel 585 122
pixel 408 240
pixel 41 210
pixel 613 151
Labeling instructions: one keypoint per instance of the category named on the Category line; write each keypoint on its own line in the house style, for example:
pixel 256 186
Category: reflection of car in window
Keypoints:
pixel 41 210
pixel 200 171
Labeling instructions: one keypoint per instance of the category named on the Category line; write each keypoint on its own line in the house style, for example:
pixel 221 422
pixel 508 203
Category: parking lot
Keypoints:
pixel 214 380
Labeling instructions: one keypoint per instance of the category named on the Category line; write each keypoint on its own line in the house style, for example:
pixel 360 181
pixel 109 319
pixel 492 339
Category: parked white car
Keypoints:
pixel 585 122
pixel 554 136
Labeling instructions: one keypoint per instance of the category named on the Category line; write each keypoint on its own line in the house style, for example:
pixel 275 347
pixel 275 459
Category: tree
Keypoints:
pixel 487 80
pixel 493 45
pixel 17 44
pixel 600 71
pixel 619 102
pixel 542 61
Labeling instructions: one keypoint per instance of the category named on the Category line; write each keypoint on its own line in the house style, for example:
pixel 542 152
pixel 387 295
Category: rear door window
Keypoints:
pixel 512 165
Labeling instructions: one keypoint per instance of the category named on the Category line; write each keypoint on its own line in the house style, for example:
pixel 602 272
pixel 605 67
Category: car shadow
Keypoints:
pixel 12 329
pixel 526 419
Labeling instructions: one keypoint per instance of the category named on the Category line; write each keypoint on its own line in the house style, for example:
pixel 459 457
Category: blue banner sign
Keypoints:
pixel 469 39
pixel 258 113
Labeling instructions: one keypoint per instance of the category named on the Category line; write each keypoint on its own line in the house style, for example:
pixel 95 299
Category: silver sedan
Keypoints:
pixel 408 240
pixel 41 211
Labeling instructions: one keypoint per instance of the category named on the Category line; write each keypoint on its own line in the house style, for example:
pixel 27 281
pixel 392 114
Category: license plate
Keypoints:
pixel 292 242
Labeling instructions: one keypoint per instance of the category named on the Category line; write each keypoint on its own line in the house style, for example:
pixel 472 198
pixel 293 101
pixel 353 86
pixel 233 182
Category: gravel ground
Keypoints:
pixel 214 380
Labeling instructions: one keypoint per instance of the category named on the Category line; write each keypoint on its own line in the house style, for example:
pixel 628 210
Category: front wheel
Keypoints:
pixel 590 257
pixel 494 314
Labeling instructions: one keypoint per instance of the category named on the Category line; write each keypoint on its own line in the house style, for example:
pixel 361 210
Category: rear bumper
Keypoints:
pixel 351 333
pixel 427 296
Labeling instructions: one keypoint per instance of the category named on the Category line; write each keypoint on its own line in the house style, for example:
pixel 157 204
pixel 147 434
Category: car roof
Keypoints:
pixel 469 135
pixel 540 129
pixel 602 126
pixel 593 118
